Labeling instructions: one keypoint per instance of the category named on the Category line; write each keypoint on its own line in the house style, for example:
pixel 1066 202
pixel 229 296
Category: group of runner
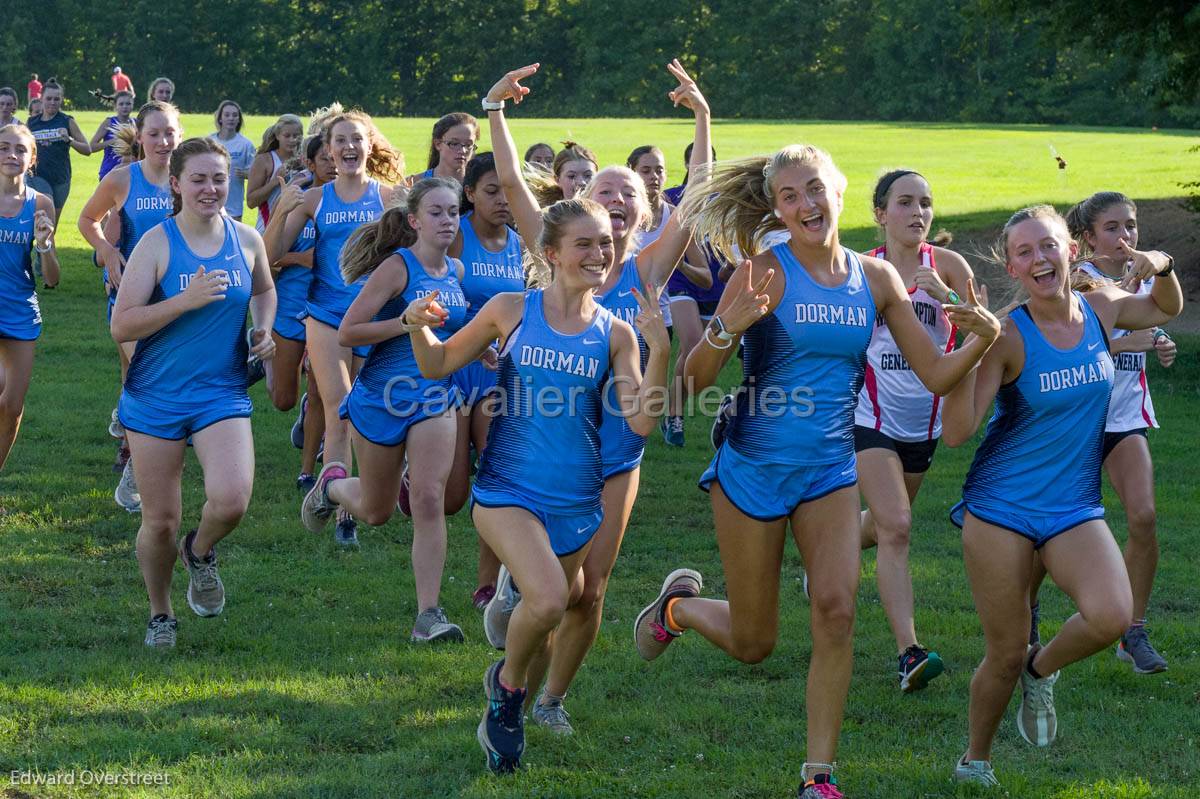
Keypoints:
pixel 432 317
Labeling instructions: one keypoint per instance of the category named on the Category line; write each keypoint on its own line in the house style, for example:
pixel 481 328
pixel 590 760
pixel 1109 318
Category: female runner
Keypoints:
pixel 280 143
pixel 451 146
pixel 123 105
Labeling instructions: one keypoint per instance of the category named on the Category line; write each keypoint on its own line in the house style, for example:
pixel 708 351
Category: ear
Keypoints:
pixel 841 202
pixel 174 185
pixel 1011 272
pixel 551 255
pixel 412 221
pixel 469 193
pixel 879 214
pixel 1073 247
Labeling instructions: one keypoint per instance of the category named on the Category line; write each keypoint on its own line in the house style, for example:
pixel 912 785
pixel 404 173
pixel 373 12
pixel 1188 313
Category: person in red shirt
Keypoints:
pixel 121 82
pixel 35 88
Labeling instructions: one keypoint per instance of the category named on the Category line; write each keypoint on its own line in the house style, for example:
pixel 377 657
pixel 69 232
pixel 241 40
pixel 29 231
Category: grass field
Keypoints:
pixel 307 686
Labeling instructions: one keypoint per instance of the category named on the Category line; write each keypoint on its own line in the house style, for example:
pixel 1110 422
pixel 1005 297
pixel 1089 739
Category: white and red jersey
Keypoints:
pixel 893 400
pixel 1130 407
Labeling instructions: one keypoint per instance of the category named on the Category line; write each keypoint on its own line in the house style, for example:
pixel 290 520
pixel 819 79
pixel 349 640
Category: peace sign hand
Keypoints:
pixel 425 312
pixel 973 316
pixel 748 301
pixel 687 93
pixel 649 321
pixel 509 87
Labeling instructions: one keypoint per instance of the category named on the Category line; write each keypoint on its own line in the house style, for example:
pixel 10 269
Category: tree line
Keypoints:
pixel 1002 61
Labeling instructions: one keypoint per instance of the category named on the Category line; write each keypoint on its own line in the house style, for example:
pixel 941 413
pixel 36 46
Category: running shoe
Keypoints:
pixel 1036 720
pixel 721 422
pixel 672 430
pixel 822 786
pixel 804 584
pixel 978 772
pixel 651 635
pixel 402 501
pixel 126 493
pixel 501 731
pixel 1135 649
pixel 918 666
pixel 122 457
pixel 432 625
pixel 205 591
pixel 115 428
pixel 482 596
pixel 498 612
pixel 345 532
pixel 551 714
pixel 316 508
pixel 160 632
pixel 306 481
pixel 298 425
pixel 1035 620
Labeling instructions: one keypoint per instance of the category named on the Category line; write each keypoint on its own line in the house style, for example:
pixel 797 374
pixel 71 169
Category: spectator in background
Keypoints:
pixel 35 89
pixel 122 83
pixel 228 120
pixel 8 107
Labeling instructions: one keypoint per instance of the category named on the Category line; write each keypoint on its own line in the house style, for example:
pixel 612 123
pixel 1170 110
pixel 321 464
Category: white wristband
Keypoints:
pixel 708 337
pixel 488 105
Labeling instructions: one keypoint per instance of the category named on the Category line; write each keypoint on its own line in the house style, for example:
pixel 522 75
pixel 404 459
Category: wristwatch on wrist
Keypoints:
pixel 488 105
pixel 717 328
pixel 1169 268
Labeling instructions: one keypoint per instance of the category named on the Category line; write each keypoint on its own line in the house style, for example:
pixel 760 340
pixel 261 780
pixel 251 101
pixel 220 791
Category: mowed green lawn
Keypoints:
pixel 307 685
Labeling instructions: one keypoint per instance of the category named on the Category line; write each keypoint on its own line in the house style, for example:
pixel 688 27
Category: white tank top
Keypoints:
pixel 1130 407
pixel 264 210
pixel 893 400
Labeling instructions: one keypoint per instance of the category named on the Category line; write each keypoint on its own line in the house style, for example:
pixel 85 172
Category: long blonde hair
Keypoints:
pixel 734 208
pixel 270 137
pixel 555 218
pixel 371 243
pixel 384 162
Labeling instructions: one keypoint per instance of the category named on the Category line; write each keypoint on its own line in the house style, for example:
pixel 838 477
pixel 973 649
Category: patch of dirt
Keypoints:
pixel 1164 225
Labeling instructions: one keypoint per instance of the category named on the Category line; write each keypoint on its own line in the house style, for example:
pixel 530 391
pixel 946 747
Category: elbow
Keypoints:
pixel 118 330
pixel 953 438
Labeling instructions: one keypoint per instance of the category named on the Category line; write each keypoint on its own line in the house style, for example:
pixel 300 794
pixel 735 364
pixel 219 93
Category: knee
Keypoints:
pixel 377 516
pixel 161 525
pixel 893 528
pixel 283 399
pixel 11 407
pixel 753 648
pixel 455 499
pixel 427 498
pixel 591 597
pixel 546 608
pixel 1142 519
pixel 229 507
pixel 833 613
pixel 1008 659
pixel 1110 623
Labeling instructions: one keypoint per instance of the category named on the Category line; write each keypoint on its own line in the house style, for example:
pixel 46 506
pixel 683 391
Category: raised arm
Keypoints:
pixel 498 317
pixel 657 261
pixel 1117 308
pixel 939 372
pixel 641 396
pixel 524 206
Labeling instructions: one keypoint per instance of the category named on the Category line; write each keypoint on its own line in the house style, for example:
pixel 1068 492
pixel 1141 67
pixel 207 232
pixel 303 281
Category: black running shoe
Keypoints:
pixel 501 731
pixel 917 667
pixel 721 423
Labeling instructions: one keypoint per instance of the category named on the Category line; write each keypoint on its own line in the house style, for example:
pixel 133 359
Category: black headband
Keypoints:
pixel 884 186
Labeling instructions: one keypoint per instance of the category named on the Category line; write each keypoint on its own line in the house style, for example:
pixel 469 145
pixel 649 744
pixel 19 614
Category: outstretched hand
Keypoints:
pixel 748 300
pixel 973 316
pixel 509 87
pixel 425 312
pixel 687 93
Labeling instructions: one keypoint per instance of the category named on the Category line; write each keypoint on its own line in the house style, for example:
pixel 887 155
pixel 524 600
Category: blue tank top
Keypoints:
pixel 146 205
pixel 1043 447
pixel 111 160
pixel 335 221
pixel 488 273
pixel 803 366
pixel 544 444
pixel 294 280
pixel 201 353
pixel 392 361
pixel 620 444
pixel 19 309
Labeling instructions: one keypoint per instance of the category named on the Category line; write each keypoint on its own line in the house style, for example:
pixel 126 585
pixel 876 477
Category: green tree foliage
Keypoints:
pixel 936 60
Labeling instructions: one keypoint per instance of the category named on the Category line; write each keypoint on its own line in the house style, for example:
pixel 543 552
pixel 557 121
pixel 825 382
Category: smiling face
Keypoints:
pixel 489 201
pixel 583 253
pixel 436 219
pixel 349 144
pixel 807 202
pixel 652 169
pixel 203 184
pixel 1038 252
pixel 159 136
pixel 456 147
pixel 1113 225
pixel 908 215
pixel 17 152
pixel 574 176
pixel 617 190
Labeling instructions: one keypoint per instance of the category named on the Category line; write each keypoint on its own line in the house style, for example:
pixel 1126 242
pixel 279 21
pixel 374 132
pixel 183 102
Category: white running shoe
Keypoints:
pixel 126 493
pixel 498 612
